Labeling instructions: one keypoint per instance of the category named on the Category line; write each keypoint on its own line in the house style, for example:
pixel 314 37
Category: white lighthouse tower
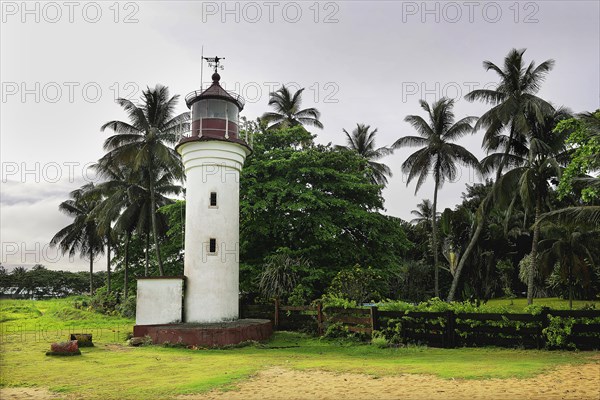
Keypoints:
pixel 213 156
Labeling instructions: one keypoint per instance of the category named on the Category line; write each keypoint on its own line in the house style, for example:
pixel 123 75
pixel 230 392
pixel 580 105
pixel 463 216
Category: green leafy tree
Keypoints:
pixel 437 155
pixel 315 201
pixel 585 141
pixel 357 284
pixel 82 235
pixel 142 144
pixel 362 140
pixel 288 110
pixel 513 98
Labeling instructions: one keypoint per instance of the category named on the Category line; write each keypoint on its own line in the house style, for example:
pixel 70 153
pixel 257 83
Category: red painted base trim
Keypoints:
pixel 208 335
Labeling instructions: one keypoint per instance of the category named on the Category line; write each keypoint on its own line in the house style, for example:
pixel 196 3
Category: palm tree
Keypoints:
pixel 127 203
pixel 424 213
pixel 280 274
pixel 287 110
pixel 514 97
pixel 569 247
pixel 546 156
pixel 142 145
pixel 362 140
pixel 438 154
pixel 82 234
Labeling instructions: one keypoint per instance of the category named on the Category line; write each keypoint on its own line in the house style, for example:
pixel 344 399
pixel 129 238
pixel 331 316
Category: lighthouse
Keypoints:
pixel 213 156
pixel 201 307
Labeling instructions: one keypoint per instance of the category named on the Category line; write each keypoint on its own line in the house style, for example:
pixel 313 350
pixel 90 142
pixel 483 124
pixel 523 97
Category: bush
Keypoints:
pixel 104 302
pixel 333 301
pixel 378 339
pixel 127 307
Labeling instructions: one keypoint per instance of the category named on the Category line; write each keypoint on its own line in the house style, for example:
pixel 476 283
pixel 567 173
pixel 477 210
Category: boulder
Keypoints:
pixel 83 339
pixel 69 348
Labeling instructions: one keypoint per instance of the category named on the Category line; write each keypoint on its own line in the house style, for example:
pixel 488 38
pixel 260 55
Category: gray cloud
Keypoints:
pixel 366 62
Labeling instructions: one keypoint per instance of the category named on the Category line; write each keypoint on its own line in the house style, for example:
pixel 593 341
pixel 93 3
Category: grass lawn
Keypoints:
pixel 112 370
pixel 553 302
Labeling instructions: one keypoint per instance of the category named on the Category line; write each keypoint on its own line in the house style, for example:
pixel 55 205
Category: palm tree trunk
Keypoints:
pixel 147 254
pixel 534 250
pixel 91 273
pixel 485 208
pixel 155 228
pixel 108 261
pixel 434 244
pixel 126 272
pixel 570 296
pixel 463 259
pixel 570 287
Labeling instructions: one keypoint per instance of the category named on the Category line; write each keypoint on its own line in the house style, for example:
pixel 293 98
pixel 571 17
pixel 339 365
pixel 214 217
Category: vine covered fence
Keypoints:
pixel 549 329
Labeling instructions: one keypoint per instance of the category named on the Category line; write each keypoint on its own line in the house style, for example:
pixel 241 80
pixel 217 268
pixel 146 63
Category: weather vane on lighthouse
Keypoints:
pixel 214 62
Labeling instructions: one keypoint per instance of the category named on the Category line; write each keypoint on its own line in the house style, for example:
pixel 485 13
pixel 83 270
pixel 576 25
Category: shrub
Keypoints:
pixel 127 307
pixel 378 339
pixel 334 301
pixel 103 301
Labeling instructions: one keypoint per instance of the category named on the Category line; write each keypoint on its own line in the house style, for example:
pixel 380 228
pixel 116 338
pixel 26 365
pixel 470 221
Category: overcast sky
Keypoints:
pixel 63 64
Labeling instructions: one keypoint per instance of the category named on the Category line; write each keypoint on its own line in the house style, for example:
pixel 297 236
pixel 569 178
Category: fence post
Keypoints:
pixel 276 319
pixel 374 319
pixel 320 318
pixel 450 325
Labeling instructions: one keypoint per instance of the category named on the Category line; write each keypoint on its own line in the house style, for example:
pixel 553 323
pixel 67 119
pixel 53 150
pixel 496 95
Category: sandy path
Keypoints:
pixel 580 382
pixel 26 393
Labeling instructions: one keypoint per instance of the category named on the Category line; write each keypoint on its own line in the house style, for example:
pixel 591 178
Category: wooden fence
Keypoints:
pixel 436 329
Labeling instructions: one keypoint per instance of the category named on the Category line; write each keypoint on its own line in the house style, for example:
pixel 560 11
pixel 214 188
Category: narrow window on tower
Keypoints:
pixel 213 199
pixel 212 246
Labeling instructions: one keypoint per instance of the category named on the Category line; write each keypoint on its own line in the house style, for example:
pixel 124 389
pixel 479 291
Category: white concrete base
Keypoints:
pixel 159 301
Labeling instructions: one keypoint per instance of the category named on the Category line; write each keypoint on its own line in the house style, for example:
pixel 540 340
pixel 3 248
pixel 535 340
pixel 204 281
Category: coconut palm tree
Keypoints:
pixel 437 155
pixel 423 213
pixel 570 248
pixel 513 98
pixel 529 179
pixel 362 140
pixel 82 234
pixel 287 110
pixel 127 203
pixel 143 145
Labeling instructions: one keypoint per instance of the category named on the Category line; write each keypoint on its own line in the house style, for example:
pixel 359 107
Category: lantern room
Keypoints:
pixel 215 112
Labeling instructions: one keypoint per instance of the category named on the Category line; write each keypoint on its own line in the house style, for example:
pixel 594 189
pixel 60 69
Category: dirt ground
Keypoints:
pixel 570 382
pixel 581 382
